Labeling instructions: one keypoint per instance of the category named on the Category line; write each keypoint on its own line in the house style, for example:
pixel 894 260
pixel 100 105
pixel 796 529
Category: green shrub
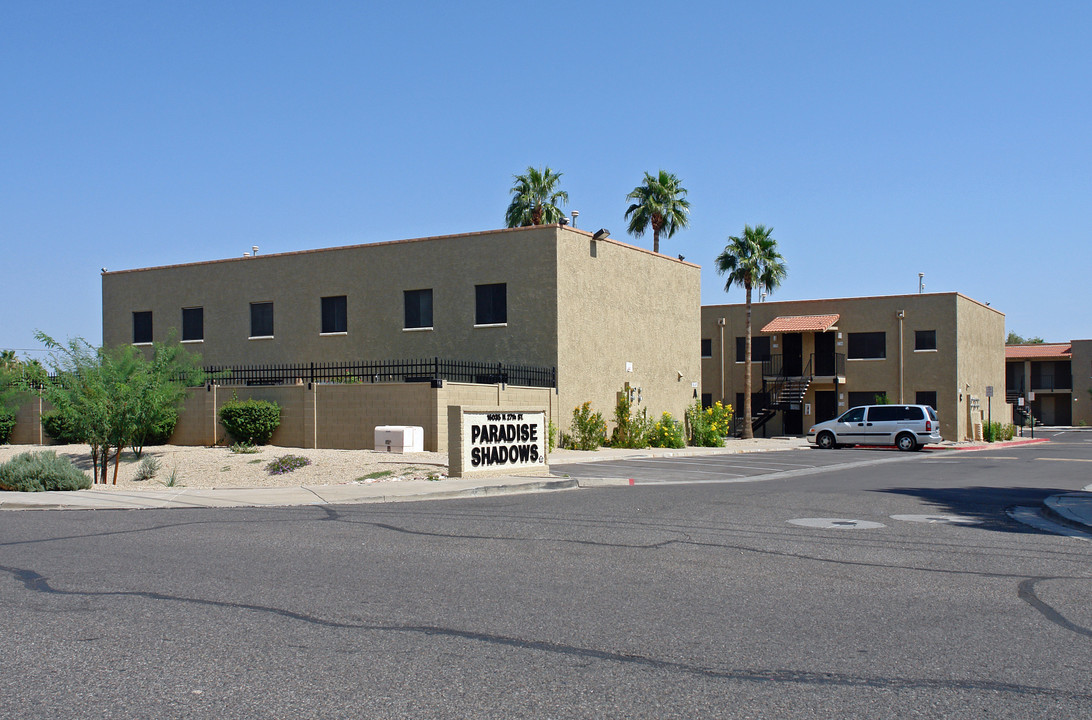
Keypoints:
pixel 251 422
pixel 631 429
pixel 39 471
pixel 709 426
pixel 551 436
pixel 62 427
pixel 244 449
pixel 993 432
pixel 161 430
pixel 667 433
pixel 149 468
pixel 7 424
pixel 286 464
pixel 589 429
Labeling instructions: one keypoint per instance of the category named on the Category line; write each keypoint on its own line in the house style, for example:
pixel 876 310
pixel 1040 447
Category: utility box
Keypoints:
pixel 399 438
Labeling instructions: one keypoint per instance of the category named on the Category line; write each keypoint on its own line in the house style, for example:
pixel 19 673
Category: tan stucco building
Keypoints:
pixel 818 358
pixel 1054 380
pixel 603 313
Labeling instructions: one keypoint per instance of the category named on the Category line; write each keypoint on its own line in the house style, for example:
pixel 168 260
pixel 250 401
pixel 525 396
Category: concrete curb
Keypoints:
pixel 273 497
pixel 994 445
pixel 1073 509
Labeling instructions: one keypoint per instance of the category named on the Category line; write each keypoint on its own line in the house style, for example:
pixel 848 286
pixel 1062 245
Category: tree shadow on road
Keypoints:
pixel 985 505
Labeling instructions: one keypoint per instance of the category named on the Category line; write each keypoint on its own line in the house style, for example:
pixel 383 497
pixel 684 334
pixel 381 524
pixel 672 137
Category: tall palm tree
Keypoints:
pixel 751 261
pixel 661 202
pixel 535 196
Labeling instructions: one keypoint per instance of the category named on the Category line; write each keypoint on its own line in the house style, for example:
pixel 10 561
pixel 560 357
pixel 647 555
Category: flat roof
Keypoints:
pixel 380 243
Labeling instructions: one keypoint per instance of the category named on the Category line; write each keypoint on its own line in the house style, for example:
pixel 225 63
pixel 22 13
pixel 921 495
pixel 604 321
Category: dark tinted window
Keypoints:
pixel 261 319
pixel 418 308
pixel 870 345
pixel 926 398
pixel 491 307
pixel 707 400
pixel 909 412
pixel 335 314
pixel 925 339
pixel 193 323
pixel 707 347
pixel 142 327
pixel 867 397
pixel 760 348
pixel 884 413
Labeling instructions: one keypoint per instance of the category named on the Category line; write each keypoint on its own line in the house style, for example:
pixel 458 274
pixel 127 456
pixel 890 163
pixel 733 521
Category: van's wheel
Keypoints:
pixel 825 440
pixel 906 442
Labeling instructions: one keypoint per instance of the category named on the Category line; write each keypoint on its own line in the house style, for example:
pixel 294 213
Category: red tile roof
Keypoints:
pixel 800 323
pixel 1038 350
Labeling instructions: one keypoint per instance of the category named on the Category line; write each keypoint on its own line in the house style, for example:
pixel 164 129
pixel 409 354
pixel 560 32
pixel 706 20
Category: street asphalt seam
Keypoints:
pixel 1028 595
pixel 35 582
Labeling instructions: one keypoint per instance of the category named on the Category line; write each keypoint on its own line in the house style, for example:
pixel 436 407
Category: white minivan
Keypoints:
pixel 907 427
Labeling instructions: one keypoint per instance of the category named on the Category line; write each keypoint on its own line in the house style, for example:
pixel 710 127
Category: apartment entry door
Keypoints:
pixel 792 349
pixel 826 404
pixel 824 355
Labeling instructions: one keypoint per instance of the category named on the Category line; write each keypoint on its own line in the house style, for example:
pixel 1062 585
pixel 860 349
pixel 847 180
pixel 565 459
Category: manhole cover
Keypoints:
pixel 944 519
pixel 837 523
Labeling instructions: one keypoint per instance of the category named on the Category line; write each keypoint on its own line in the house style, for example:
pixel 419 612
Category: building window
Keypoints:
pixel 418 308
pixel 866 397
pixel 491 307
pixel 925 340
pixel 707 400
pixel 867 346
pixel 707 347
pixel 193 324
pixel 335 317
pixel 261 319
pixel 760 348
pixel 926 398
pixel 142 327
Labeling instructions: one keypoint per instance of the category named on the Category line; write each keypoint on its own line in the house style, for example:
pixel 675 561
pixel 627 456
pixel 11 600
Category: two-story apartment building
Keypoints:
pixel 605 314
pixel 1053 381
pixel 814 359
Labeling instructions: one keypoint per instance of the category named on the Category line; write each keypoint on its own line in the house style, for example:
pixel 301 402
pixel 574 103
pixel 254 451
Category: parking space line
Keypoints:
pixel 719 461
pixel 1066 459
pixel 629 467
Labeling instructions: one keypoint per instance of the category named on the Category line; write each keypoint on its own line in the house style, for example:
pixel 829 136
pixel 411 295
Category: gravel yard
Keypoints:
pixel 219 467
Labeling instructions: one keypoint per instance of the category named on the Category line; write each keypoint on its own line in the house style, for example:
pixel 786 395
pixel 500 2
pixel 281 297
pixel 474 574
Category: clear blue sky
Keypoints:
pixel 878 139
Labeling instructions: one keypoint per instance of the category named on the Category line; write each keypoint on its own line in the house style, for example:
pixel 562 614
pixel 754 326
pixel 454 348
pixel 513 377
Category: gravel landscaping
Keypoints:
pixel 219 467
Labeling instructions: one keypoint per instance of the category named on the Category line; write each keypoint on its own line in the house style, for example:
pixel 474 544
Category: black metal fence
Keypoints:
pixel 420 370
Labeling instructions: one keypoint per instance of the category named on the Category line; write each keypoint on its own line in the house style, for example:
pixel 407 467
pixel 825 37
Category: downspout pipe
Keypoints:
pixel 901 315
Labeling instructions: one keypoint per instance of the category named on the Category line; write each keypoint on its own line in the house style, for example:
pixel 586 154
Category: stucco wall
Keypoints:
pixel 617 304
pixel 1081 367
pixel 981 348
pixel 373 279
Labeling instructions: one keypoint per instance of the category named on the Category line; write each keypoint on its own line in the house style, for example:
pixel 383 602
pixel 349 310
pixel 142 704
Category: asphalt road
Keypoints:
pixel 886 589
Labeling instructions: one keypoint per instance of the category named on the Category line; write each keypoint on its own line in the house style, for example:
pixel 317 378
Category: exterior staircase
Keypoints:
pixel 785 392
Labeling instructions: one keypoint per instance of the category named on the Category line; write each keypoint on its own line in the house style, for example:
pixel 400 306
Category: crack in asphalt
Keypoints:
pixel 35 582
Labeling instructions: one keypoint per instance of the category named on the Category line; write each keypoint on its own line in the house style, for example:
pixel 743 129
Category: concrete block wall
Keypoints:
pixel 28 423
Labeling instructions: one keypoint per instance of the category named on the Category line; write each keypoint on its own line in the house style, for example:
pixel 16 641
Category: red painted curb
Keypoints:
pixel 990 446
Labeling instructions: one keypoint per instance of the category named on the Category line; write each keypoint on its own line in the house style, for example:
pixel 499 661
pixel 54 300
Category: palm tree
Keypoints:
pixel 661 202
pixel 751 261
pixel 535 199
